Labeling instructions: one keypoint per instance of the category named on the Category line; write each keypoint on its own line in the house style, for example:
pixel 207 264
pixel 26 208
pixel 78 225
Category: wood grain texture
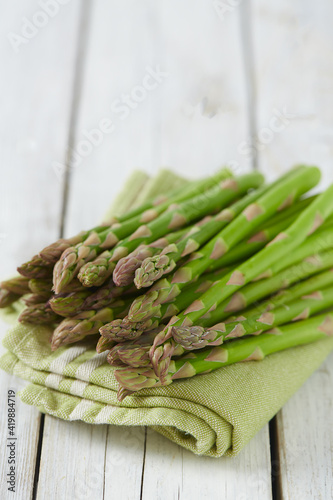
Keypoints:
pixel 306 439
pixel 162 84
pixel 124 462
pixel 72 460
pixel 193 120
pixel 172 472
pixel 294 76
pixel 35 89
pixel 27 422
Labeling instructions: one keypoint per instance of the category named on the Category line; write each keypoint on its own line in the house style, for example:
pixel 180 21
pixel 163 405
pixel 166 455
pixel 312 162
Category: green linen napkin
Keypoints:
pixel 213 414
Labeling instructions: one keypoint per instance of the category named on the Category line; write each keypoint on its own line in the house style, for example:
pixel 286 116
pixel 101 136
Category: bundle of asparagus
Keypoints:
pixel 168 288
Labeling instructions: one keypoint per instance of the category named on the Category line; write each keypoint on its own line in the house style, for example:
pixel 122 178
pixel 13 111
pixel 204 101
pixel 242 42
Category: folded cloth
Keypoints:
pixel 213 414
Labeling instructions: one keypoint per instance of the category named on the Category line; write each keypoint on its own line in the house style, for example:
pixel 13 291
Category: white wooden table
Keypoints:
pixel 248 84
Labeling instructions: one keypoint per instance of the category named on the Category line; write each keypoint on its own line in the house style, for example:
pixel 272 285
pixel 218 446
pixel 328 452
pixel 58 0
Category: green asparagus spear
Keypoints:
pixel 68 304
pixel 143 228
pixel 53 252
pixel 132 353
pixel 136 356
pixel 74 286
pixel 34 298
pixel 112 357
pixel 7 298
pixel 104 265
pixel 95 273
pixel 153 268
pixel 242 226
pixel 177 195
pixel 124 272
pixel 254 292
pixel 36 268
pixel 321 240
pixel 122 330
pixel 251 348
pixel 246 249
pixel 105 295
pixel 306 287
pixel 18 285
pixel 41 286
pixel 197 337
pixel 294 209
pixel 38 314
pixel 86 323
pixel 104 344
pixel 312 217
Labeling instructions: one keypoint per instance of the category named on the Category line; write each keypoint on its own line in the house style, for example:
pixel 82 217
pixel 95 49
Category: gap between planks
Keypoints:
pixel 81 44
pixel 246 26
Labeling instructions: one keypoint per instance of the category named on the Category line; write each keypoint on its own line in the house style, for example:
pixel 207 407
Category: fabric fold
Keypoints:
pixel 214 414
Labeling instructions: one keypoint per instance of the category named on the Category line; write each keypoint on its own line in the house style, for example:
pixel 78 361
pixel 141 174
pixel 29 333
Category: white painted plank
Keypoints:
pixel 124 463
pixel 23 449
pixel 202 117
pixel 306 439
pixel 163 471
pixel 119 51
pixel 72 460
pixel 294 73
pixel 35 89
pixel 194 120
pixel 171 472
